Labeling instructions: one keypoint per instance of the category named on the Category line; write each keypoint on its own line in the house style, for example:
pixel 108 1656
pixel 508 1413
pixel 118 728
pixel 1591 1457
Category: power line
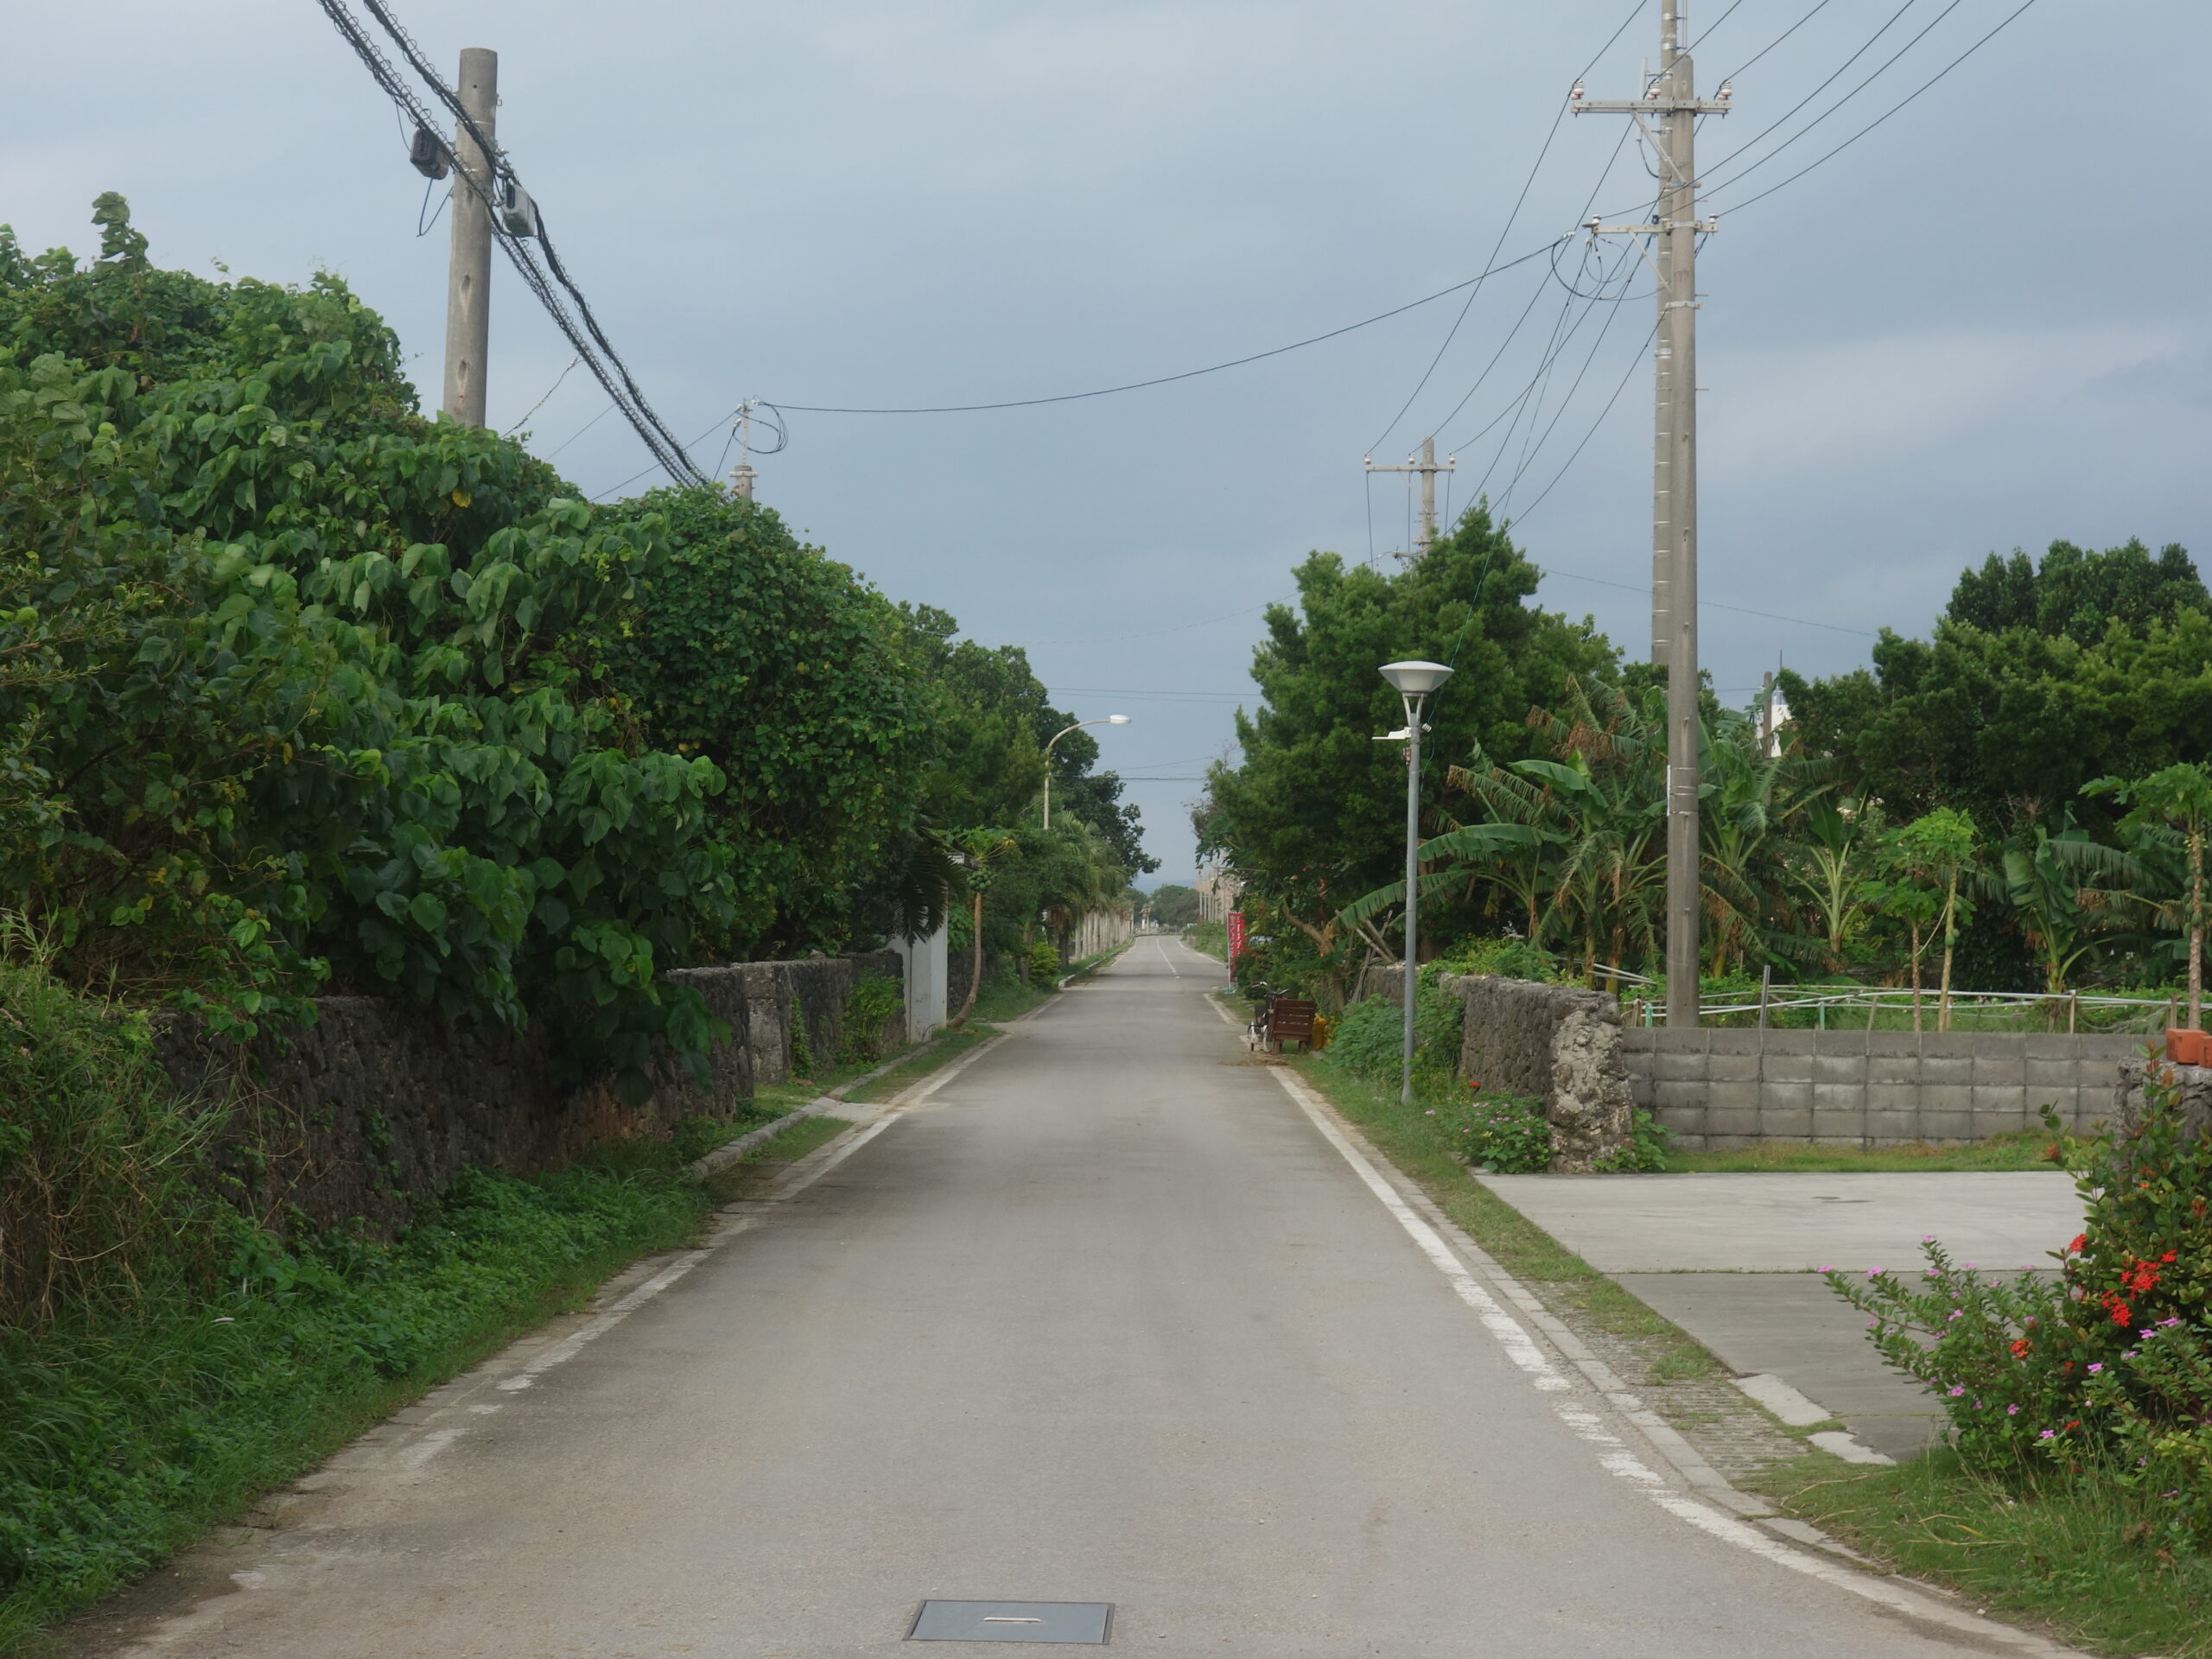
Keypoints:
pixel 1166 380
pixel 1887 64
pixel 1706 32
pixel 1834 75
pixel 1819 7
pixel 1708 604
pixel 2003 25
pixel 1635 363
pixel 1504 230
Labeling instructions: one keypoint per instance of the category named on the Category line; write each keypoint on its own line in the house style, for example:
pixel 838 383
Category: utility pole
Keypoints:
pixel 469 289
pixel 1671 97
pixel 740 481
pixel 1429 466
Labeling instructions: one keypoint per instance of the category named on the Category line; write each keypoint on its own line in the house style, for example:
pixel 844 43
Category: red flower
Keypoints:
pixel 2080 1239
pixel 2020 1349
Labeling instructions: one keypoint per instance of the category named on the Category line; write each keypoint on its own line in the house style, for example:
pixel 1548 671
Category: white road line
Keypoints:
pixel 1525 1352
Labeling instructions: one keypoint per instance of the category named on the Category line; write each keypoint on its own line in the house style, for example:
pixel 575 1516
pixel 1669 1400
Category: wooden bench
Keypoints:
pixel 1290 1020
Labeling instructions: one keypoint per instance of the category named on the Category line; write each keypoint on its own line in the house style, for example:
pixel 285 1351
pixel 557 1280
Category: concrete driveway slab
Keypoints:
pixel 2001 1219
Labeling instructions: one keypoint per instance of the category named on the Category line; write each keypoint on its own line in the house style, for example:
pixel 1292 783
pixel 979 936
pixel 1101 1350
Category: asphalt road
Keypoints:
pixel 1109 1318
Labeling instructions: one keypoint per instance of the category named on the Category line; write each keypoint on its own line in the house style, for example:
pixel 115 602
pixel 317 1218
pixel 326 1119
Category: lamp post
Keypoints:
pixel 1412 682
pixel 1110 719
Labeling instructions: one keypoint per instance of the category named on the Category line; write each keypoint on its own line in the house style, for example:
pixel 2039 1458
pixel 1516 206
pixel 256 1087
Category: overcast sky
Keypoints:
pixel 1983 325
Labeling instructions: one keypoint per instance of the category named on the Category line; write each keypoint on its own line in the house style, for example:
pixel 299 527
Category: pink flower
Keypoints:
pixel 1928 1238
pixel 1956 1312
pixel 2095 1368
pixel 2012 1411
pixel 1827 1269
pixel 1873 1273
pixel 1957 1392
pixel 2048 1435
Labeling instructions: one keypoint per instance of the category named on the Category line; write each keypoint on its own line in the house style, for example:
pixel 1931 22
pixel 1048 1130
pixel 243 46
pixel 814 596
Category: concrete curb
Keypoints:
pixel 723 1156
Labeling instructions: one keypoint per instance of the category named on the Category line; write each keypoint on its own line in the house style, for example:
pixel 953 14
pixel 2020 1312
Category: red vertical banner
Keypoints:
pixel 1236 939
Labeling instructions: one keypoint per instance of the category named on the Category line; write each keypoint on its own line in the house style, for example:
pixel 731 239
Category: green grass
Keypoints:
pixel 1408 1137
pixel 122 1440
pixel 1209 938
pixel 2022 1149
pixel 2070 1552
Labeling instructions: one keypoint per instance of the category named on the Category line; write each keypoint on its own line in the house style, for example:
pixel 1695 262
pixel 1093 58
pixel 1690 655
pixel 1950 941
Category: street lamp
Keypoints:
pixel 1413 682
pixel 1110 719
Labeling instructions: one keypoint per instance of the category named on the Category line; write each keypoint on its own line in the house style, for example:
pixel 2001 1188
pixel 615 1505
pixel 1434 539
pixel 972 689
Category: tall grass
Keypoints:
pixel 100 1195
pixel 163 1359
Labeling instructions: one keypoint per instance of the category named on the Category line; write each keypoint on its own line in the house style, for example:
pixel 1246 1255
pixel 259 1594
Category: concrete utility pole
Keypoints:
pixel 1671 97
pixel 1429 466
pixel 741 479
pixel 468 290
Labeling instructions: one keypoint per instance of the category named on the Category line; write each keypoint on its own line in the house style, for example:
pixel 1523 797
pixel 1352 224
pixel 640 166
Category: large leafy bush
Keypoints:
pixel 287 694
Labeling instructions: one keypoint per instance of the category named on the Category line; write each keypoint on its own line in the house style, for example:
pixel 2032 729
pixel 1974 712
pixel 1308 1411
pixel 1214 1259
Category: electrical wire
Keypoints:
pixel 1834 75
pixel 1530 454
pixel 541 403
pixel 1708 604
pixel 1635 363
pixel 1817 9
pixel 1163 379
pixel 2005 23
pixel 1749 167
pixel 1634 11
pixel 1707 31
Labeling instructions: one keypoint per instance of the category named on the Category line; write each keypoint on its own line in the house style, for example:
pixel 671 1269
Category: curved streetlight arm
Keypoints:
pixel 1103 719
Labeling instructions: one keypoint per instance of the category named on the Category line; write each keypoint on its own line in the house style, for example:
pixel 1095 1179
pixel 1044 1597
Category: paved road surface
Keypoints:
pixel 1107 1320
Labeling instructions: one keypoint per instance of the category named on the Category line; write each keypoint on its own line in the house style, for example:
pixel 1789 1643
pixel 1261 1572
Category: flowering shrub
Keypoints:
pixel 2109 1361
pixel 1503 1134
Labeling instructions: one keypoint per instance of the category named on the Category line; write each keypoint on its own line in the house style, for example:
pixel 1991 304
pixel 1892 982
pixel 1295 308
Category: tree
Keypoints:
pixel 1311 816
pixel 2036 681
pixel 1174 905
pixel 2178 798
pixel 1927 860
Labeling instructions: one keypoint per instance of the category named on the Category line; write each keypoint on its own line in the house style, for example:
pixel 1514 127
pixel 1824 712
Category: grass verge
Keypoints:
pixel 1408 1135
pixel 2022 1149
pixel 121 1441
pixel 2068 1552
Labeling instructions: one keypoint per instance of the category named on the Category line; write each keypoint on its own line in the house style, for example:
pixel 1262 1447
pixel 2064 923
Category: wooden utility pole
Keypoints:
pixel 1666 116
pixel 468 290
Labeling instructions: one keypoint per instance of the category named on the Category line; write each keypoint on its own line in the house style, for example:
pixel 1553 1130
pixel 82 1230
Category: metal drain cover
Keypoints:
pixel 1012 1621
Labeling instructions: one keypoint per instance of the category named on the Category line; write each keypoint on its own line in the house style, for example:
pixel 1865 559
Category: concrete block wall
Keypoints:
pixel 1718 1089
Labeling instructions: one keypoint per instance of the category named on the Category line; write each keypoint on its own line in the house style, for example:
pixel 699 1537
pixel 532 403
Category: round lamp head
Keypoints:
pixel 1415 679
pixel 1117 720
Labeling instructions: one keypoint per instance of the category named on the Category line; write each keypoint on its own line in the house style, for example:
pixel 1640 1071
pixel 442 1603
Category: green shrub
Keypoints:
pixel 1508 958
pixel 2108 1365
pixel 1044 963
pixel 869 1006
pixel 1502 1134
pixel 1646 1152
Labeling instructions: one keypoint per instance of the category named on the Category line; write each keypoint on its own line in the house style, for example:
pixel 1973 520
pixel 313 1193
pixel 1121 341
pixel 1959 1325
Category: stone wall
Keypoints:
pixel 379 1104
pixel 1718 1089
pixel 1558 1043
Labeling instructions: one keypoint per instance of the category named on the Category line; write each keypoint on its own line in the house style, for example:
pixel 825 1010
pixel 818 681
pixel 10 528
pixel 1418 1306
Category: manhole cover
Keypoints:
pixel 1012 1621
